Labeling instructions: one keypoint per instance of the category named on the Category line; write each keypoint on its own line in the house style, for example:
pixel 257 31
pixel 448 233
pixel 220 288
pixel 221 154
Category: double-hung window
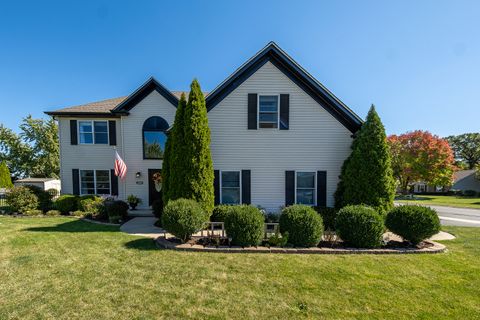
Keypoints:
pixel 230 187
pixel 95 182
pixel 268 111
pixel 93 132
pixel 305 188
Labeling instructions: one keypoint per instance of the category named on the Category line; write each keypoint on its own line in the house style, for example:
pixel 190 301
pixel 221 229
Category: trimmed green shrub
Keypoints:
pixel 94 207
pixel 469 193
pixel 303 225
pixel 220 212
pixel 34 212
pixel 367 175
pixel 157 208
pixel 66 203
pixel 44 198
pixel 413 223
pixel 360 226
pixel 329 215
pixel 53 213
pixel 21 199
pixel 184 217
pixel 117 211
pixel 78 213
pixel 272 217
pixel 244 224
pixel 53 193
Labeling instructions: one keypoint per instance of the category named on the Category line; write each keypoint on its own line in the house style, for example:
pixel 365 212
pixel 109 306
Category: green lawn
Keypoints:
pixel 61 268
pixel 452 201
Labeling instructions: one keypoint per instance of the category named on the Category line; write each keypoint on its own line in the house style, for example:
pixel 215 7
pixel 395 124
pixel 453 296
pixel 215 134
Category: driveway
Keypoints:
pixel 463 217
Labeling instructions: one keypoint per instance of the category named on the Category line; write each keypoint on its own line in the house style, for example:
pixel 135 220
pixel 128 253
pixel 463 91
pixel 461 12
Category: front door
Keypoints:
pixel 153 192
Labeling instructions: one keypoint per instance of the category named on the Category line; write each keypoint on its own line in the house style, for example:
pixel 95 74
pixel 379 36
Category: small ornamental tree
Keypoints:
pixel 198 178
pixel 5 177
pixel 367 176
pixel 173 169
pixel 421 156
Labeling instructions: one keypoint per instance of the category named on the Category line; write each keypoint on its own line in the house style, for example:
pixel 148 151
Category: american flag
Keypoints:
pixel 120 166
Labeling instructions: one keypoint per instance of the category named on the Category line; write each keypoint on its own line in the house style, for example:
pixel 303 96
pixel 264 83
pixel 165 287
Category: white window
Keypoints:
pixel 93 132
pixel 95 182
pixel 268 111
pixel 305 188
pixel 230 187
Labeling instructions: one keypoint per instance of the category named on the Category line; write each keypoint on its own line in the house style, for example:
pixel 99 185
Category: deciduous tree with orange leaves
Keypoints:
pixel 421 156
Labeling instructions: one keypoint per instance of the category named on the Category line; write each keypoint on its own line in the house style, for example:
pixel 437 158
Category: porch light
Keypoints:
pixel 138 174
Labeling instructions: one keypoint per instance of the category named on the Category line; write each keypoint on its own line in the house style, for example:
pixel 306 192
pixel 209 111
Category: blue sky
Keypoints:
pixel 417 61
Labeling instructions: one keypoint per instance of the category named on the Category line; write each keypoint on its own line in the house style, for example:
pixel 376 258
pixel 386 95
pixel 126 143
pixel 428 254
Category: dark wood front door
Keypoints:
pixel 153 194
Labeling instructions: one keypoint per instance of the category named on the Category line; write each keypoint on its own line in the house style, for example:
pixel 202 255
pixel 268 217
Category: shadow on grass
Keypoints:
pixel 141 244
pixel 75 226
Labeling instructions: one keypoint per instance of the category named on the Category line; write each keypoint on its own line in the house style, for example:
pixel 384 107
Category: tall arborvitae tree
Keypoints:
pixel 367 176
pixel 173 168
pixel 198 167
pixel 5 177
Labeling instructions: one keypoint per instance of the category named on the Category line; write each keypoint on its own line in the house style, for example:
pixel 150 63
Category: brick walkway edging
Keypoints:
pixel 163 243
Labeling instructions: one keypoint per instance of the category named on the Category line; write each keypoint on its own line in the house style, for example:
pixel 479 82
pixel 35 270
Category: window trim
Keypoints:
pixel 314 183
pixel 94 180
pixel 278 110
pixel 92 122
pixel 239 186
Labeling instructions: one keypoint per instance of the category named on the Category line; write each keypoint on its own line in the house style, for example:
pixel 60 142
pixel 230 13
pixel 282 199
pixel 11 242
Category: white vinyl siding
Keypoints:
pixel 315 141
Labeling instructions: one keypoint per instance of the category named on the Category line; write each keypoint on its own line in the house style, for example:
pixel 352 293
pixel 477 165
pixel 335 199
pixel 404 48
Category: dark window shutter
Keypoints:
pixel 113 182
pixel 284 111
pixel 112 132
pixel 321 188
pixel 246 187
pixel 289 188
pixel 252 111
pixel 216 186
pixel 73 132
pixel 76 181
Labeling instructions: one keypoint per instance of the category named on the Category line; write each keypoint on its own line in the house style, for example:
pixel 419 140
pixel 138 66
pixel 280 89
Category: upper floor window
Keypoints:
pixel 93 132
pixel 230 187
pixel 305 188
pixel 268 111
pixel 154 137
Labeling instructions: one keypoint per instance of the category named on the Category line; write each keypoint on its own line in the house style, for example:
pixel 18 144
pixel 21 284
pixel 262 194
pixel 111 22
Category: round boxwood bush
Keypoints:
pixel 53 213
pixel 413 223
pixel 184 217
pixel 34 212
pixel 117 211
pixel 66 203
pixel 303 224
pixel 94 207
pixel 360 226
pixel 220 212
pixel 244 224
pixel 21 199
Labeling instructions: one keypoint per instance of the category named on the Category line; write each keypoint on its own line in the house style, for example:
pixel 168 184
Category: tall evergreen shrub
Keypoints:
pixel 367 176
pixel 198 176
pixel 5 177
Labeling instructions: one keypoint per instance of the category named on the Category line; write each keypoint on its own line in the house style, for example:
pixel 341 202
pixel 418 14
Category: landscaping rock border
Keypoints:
pixel 163 243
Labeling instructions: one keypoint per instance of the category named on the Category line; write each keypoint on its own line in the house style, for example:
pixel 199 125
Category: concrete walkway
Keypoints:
pixel 144 226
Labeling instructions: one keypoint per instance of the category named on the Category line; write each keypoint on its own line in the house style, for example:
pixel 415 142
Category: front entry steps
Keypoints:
pixel 140 213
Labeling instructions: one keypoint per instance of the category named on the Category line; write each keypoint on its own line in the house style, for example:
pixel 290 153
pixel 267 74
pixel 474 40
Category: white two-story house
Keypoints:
pixel 278 137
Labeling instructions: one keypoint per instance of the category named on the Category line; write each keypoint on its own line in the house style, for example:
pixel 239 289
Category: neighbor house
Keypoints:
pixel 278 137
pixel 42 183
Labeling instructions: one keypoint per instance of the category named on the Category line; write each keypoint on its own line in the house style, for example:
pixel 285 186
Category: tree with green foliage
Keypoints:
pixel 466 148
pixel 5 177
pixel 198 160
pixel 367 176
pixel 173 169
pixel 35 151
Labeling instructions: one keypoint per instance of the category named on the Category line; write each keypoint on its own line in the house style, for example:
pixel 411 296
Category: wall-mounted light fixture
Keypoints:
pixel 138 174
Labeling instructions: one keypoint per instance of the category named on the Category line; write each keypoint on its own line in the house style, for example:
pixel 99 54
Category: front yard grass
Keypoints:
pixel 450 201
pixel 63 268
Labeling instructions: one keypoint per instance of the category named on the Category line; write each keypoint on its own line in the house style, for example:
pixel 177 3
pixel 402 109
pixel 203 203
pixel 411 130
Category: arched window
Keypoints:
pixel 154 137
